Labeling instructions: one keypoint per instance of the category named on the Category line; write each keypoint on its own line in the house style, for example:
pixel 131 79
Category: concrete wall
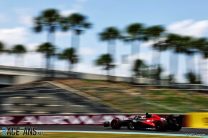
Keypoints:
pixel 25 79
pixel 7 79
pixel 17 75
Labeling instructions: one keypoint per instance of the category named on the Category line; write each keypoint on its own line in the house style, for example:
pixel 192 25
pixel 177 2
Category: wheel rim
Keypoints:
pixel 131 126
pixel 158 127
pixel 115 124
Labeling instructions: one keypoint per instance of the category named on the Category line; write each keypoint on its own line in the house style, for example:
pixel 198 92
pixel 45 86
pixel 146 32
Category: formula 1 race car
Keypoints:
pixel 148 121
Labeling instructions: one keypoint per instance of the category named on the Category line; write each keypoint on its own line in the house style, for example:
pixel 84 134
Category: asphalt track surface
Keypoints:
pixel 93 128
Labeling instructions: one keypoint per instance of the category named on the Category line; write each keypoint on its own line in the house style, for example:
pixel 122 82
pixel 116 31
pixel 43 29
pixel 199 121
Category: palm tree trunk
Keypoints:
pixel 111 51
pixel 189 63
pixel 158 66
pixel 158 58
pixel 199 78
pixel 175 63
pixel 204 69
pixel 109 48
pixel 16 60
pixel 196 62
pixel 21 60
pixel 152 63
pixel 132 53
pixel 153 57
pixel 47 57
pixel 138 51
pixel 47 65
pixel 76 46
pixel 108 75
pixel 52 64
pixel 70 68
pixel 77 42
pixel 73 39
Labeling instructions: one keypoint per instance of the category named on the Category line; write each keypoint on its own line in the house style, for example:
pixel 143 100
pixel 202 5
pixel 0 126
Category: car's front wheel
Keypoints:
pixel 131 126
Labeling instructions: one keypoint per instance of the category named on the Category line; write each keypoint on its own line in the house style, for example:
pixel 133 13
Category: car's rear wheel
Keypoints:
pixel 115 124
pixel 176 127
pixel 174 123
pixel 159 126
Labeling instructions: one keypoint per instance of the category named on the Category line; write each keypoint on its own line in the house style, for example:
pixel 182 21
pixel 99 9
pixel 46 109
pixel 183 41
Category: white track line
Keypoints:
pixel 53 105
pixel 41 97
pixel 16 111
pixel 28 104
pixel 39 112
pixel 17 97
pixel 6 104
pixel 129 133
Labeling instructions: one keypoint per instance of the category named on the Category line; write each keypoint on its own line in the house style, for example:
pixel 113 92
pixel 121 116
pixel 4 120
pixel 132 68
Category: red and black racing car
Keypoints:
pixel 148 121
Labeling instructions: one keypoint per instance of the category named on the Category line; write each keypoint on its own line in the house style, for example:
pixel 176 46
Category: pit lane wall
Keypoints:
pixel 192 120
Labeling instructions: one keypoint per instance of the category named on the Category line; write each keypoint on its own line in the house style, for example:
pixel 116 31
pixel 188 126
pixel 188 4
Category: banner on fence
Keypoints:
pixel 197 120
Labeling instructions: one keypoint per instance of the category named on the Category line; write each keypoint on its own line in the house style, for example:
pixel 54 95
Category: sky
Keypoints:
pixel 185 17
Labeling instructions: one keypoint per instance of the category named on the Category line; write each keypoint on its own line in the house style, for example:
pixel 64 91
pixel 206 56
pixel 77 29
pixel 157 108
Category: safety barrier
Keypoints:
pixel 197 120
pixel 71 119
pixel 191 120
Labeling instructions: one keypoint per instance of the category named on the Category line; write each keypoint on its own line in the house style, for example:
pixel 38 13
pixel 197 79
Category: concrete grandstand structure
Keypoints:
pixel 46 98
pixel 10 75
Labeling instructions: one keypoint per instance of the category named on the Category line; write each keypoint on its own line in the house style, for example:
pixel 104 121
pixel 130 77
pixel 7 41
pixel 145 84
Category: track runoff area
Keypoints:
pixel 197 126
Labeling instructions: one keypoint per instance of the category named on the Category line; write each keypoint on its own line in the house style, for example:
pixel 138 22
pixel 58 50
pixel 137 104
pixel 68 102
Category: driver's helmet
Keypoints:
pixel 148 115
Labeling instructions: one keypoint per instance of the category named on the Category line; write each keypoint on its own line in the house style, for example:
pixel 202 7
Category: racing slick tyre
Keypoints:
pixel 177 127
pixel 175 123
pixel 159 126
pixel 106 124
pixel 131 126
pixel 116 124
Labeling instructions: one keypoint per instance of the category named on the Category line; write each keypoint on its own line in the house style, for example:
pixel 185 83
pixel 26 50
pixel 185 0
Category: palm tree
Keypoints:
pixel 49 21
pixel 106 61
pixel 190 52
pixel 135 33
pixel 203 49
pixel 48 50
pixel 154 33
pixel 193 78
pixel 19 50
pixel 159 46
pixel 176 45
pixel 77 23
pixel 138 67
pixel 110 34
pixel 70 55
pixel 196 45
